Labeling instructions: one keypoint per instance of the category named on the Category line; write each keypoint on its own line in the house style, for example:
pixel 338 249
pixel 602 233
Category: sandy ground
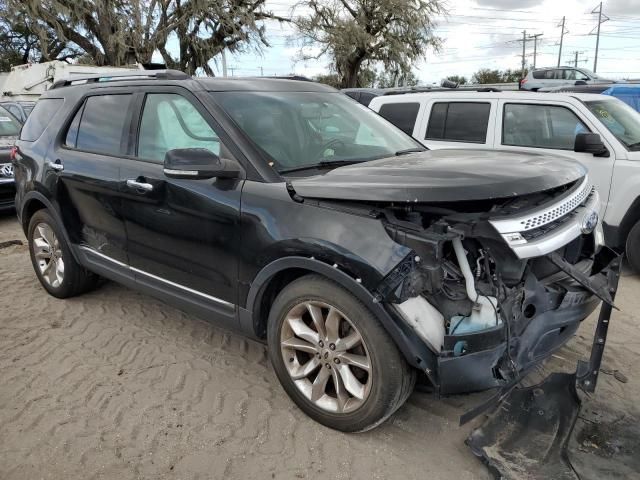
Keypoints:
pixel 115 384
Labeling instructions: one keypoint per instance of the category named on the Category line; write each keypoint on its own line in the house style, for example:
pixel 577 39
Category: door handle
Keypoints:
pixel 57 165
pixel 140 186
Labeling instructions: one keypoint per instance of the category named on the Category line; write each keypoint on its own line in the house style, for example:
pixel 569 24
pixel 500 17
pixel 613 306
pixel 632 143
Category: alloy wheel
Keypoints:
pixel 48 254
pixel 326 357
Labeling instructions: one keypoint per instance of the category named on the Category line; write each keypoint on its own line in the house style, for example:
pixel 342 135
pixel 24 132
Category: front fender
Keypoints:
pixel 414 350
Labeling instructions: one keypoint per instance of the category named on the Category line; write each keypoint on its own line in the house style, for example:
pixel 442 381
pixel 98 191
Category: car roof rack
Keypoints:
pixel 119 76
pixel 442 89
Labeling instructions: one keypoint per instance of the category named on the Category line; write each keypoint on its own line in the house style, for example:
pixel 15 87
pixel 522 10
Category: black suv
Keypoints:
pixel 294 214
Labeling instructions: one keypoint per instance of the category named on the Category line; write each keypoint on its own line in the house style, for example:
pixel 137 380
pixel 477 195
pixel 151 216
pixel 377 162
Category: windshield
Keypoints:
pixel 305 129
pixel 9 126
pixel 620 119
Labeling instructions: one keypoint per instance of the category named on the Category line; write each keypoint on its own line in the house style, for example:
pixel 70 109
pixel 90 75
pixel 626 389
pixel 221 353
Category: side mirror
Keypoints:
pixel 198 164
pixel 580 82
pixel 590 143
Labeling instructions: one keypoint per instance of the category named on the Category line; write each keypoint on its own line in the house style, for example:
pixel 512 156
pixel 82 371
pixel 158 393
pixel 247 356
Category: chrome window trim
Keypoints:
pixel 155 277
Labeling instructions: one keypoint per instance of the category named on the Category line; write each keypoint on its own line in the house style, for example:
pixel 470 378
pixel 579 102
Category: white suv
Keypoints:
pixel 559 76
pixel 601 132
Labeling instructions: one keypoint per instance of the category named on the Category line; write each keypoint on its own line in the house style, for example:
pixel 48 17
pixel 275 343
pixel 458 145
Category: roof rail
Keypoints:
pixel 117 76
pixel 443 89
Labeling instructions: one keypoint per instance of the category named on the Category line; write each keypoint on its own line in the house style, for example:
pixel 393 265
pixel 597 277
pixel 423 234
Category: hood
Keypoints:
pixel 442 176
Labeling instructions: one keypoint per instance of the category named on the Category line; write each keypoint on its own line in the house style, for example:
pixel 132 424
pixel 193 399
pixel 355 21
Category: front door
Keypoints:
pixel 182 234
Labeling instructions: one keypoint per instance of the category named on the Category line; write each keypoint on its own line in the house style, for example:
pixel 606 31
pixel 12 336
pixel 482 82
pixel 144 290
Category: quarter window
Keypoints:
pixel 402 115
pixel 170 121
pixel 459 122
pixel 102 124
pixel 540 126
pixel 41 116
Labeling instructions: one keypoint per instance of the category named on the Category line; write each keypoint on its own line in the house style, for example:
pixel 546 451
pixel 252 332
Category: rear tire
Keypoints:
pixel 633 248
pixel 351 376
pixel 52 260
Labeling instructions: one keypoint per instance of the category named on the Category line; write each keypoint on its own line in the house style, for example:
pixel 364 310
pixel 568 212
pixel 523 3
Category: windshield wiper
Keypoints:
pixel 323 164
pixel 410 150
pixel 634 145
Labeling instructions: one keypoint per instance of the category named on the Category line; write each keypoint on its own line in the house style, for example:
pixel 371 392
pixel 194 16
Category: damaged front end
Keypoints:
pixel 495 287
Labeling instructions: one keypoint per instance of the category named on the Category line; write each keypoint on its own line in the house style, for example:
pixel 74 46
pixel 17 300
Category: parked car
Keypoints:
pixel 289 212
pixel 628 93
pixel 20 110
pixel 9 128
pixel 599 131
pixel 554 77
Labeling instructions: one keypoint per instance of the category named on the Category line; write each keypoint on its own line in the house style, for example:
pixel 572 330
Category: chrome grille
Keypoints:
pixel 557 212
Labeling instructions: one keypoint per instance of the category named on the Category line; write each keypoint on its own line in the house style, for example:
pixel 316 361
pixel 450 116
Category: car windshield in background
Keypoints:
pixel 620 119
pixel 9 126
pixel 304 129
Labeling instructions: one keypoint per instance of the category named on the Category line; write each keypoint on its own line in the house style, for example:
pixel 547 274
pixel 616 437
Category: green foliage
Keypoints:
pixel 461 80
pixel 388 79
pixel 486 75
pixel 359 34
pixel 120 32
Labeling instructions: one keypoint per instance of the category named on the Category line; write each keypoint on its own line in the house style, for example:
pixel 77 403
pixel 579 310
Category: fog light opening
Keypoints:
pixel 529 311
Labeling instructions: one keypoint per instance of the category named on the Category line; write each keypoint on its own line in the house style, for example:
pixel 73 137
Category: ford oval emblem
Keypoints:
pixel 589 221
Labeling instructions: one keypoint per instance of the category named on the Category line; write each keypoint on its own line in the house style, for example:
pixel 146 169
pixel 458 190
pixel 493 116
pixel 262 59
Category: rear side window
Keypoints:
pixel 540 126
pixel 539 74
pixel 459 122
pixel 40 117
pixel 402 115
pixel 102 124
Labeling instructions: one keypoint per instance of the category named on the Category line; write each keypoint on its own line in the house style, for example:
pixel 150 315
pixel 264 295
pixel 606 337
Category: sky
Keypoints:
pixel 483 34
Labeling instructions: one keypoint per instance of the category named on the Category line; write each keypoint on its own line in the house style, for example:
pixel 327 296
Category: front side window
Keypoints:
pixel 459 122
pixel 402 115
pixel 569 74
pixel 102 124
pixel 302 130
pixel 620 119
pixel 170 121
pixel 540 126
pixel 40 117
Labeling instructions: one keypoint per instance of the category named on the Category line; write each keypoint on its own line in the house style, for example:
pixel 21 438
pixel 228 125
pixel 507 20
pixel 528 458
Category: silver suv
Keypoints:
pixel 554 77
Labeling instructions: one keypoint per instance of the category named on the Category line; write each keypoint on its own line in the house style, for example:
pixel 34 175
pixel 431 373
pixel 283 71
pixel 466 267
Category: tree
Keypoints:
pixel 460 80
pixel 358 34
pixel 20 43
pixel 486 75
pixel 120 32
pixel 396 79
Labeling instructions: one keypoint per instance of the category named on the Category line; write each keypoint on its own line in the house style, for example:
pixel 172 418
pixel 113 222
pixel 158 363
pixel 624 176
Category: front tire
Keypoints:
pixel 633 248
pixel 334 358
pixel 53 262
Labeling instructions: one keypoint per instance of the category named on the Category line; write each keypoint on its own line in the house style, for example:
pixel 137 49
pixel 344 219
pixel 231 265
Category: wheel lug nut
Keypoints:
pixel 332 346
pixel 321 344
pixel 328 366
pixel 336 360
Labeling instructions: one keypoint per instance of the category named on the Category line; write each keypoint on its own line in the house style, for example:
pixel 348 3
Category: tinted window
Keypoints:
pixel 14 110
pixel 459 122
pixel 541 126
pixel 365 98
pixel 72 133
pixel 9 126
pixel 40 117
pixel 102 124
pixel 402 115
pixel 170 121
pixel 539 74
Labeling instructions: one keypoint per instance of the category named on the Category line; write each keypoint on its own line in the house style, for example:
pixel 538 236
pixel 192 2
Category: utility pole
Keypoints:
pixel 261 72
pixel 535 46
pixel 576 60
pixel 561 39
pixel 524 43
pixel 224 63
pixel 600 22
pixel 232 69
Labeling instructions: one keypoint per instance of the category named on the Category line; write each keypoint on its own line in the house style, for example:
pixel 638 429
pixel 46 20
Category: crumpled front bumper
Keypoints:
pixel 502 363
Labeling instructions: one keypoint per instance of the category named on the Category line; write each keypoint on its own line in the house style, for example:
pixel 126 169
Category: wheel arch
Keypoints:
pixel 617 235
pixel 279 273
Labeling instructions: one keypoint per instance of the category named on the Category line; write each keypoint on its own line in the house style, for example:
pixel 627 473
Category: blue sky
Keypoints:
pixel 484 34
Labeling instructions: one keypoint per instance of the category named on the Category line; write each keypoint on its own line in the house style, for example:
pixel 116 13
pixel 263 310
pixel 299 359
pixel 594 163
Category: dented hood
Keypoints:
pixel 442 176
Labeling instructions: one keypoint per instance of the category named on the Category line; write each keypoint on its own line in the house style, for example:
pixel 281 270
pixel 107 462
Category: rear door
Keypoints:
pixel 87 161
pixel 551 127
pixel 459 123
pixel 183 235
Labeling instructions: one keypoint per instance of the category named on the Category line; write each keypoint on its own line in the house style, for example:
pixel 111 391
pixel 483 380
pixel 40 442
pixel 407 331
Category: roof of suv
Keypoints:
pixel 170 77
pixel 510 95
